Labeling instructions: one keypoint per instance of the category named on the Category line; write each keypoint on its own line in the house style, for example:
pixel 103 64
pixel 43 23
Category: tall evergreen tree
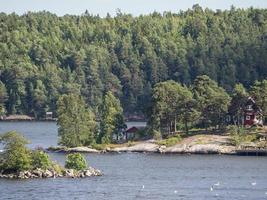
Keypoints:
pixel 111 118
pixel 77 125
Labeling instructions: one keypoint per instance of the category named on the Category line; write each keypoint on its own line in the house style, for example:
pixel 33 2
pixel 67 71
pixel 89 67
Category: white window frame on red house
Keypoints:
pixel 249 107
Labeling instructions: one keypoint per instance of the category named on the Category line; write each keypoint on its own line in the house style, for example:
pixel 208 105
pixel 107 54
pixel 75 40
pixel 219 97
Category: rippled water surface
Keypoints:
pixel 148 176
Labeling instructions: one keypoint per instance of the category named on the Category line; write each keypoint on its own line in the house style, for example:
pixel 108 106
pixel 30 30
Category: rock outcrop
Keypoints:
pixel 72 150
pixel 198 144
pixel 41 173
pixel 203 144
pixel 146 146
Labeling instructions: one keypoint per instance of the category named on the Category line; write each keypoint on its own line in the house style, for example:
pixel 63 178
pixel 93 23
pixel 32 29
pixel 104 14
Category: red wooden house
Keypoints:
pixel 252 113
pixel 132 133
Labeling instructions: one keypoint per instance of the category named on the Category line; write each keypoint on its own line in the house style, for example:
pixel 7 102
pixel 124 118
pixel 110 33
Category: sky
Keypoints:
pixel 134 7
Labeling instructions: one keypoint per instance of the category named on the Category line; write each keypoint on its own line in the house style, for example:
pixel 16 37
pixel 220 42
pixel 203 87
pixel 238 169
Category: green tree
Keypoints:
pixel 77 125
pixel 40 159
pixel 171 103
pixel 88 55
pixel 75 161
pixel 3 98
pixel 237 103
pixel 188 112
pixel 16 156
pixel 259 92
pixel 40 99
pixel 111 121
pixel 212 101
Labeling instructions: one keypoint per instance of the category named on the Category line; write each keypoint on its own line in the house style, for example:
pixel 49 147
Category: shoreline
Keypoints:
pixel 200 144
pixel 51 173
pixel 247 152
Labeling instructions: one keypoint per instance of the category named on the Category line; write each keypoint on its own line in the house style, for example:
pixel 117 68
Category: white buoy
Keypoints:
pixel 175 191
pixel 254 183
pixel 143 187
pixel 211 188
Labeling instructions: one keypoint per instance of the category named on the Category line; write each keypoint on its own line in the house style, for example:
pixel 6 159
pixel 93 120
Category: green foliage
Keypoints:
pixel 99 147
pixel 156 135
pixel 57 167
pixel 41 160
pixel 212 101
pixel 171 102
pixel 171 141
pixel 238 101
pixel 39 99
pixel 75 161
pixel 259 92
pixel 16 156
pixel 43 56
pixel 111 121
pixel 239 136
pixel 3 98
pixel 77 125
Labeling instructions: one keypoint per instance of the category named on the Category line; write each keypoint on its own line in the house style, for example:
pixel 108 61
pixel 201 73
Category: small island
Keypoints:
pixel 19 162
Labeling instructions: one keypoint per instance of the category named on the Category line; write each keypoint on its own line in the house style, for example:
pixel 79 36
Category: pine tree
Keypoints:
pixel 111 121
pixel 77 125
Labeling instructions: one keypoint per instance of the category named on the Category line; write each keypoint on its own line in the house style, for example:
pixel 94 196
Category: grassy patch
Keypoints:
pixel 240 135
pixel 99 147
pixel 170 141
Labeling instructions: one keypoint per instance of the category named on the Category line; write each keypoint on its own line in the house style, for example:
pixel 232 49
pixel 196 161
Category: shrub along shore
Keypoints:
pixel 17 161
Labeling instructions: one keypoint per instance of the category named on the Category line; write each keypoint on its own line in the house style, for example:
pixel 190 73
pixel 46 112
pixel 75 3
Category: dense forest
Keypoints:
pixel 43 56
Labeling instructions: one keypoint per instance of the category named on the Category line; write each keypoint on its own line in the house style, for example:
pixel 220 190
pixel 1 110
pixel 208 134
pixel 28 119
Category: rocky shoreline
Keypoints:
pixel 48 173
pixel 200 144
pixel 208 144
pixel 64 149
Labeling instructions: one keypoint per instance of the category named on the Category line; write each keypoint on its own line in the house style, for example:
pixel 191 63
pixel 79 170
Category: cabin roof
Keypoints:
pixel 134 129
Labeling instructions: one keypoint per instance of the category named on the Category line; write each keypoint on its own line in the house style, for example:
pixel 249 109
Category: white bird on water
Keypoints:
pixel 217 184
pixel 211 188
pixel 175 191
pixel 143 187
pixel 254 183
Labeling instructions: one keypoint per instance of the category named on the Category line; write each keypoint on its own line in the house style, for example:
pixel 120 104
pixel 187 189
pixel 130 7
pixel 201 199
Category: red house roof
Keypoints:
pixel 132 130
